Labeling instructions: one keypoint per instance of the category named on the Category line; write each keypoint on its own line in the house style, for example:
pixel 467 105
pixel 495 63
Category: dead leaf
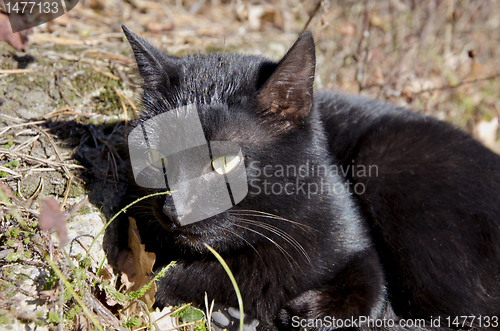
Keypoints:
pixel 96 4
pixel 486 132
pixel 6 190
pixel 348 29
pixel 106 272
pixel 162 322
pixel 49 295
pixel 378 75
pixel 136 265
pixel 63 20
pixel 264 13
pixel 51 217
pixel 156 27
pixel 377 21
pixel 6 34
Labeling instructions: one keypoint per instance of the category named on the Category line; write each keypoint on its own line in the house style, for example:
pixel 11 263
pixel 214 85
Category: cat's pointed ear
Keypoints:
pixel 156 68
pixel 287 95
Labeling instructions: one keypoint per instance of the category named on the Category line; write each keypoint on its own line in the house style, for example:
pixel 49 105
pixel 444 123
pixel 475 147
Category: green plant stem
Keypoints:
pixel 73 293
pixel 235 285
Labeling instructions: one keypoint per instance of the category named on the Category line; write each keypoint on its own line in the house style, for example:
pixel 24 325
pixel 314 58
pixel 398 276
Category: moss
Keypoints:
pixel 76 190
pixel 12 164
pixel 6 320
pixel 53 317
pixel 85 210
pixel 108 101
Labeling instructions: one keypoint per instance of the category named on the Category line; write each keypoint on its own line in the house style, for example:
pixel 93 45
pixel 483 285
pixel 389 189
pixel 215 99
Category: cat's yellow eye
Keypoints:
pixel 155 159
pixel 225 164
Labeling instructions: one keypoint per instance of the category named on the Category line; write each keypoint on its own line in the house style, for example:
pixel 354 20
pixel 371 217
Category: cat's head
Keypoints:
pixel 241 137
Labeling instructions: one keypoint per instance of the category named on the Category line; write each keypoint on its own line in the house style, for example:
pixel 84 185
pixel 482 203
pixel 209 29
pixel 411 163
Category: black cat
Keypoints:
pixel 355 209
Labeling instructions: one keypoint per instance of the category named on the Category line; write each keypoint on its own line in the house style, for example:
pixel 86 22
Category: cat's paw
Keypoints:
pixel 228 319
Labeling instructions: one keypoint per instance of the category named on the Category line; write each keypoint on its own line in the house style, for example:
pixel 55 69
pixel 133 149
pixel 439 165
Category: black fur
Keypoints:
pixel 421 240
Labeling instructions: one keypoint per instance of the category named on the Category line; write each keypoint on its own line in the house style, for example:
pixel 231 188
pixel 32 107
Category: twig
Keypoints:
pixel 136 112
pixel 105 73
pixel 209 311
pixel 184 306
pixel 38 189
pixel 358 56
pixel 120 73
pixel 18 287
pixel 125 111
pixel 16 71
pixel 36 159
pixel 314 13
pixel 115 171
pixel 56 150
pixel 458 84
pixel 7 128
pixel 366 23
pixel 59 87
pixel 105 142
pixel 12 172
pixel 449 27
pixel 26 143
pixel 66 193
pixel 77 206
pixel 70 113
pixel 19 191
pixel 19 203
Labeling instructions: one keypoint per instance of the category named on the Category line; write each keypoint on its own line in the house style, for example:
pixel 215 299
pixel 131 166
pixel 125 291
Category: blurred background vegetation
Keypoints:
pixel 439 57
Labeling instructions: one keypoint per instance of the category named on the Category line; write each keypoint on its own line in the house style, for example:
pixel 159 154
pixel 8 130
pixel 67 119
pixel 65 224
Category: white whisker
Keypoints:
pixel 257 213
pixel 292 241
pixel 285 253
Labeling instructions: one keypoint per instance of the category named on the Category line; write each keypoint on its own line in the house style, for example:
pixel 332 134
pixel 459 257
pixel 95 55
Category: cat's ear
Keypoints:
pixel 287 95
pixel 156 68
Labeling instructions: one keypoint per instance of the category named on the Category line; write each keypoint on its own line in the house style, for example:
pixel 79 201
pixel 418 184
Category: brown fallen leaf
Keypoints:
pixel 17 40
pixel 156 27
pixel 348 29
pixel 6 190
pixel 6 34
pixel 136 265
pixel 378 75
pixel 51 217
pixel 49 295
pixel 377 21
pixel 486 132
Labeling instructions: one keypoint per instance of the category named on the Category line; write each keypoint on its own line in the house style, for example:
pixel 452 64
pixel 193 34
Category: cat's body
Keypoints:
pixel 433 209
pixel 421 236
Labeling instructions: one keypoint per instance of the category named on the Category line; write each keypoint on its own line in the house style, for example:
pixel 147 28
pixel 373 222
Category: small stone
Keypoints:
pixel 234 312
pixel 220 318
pixel 252 326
